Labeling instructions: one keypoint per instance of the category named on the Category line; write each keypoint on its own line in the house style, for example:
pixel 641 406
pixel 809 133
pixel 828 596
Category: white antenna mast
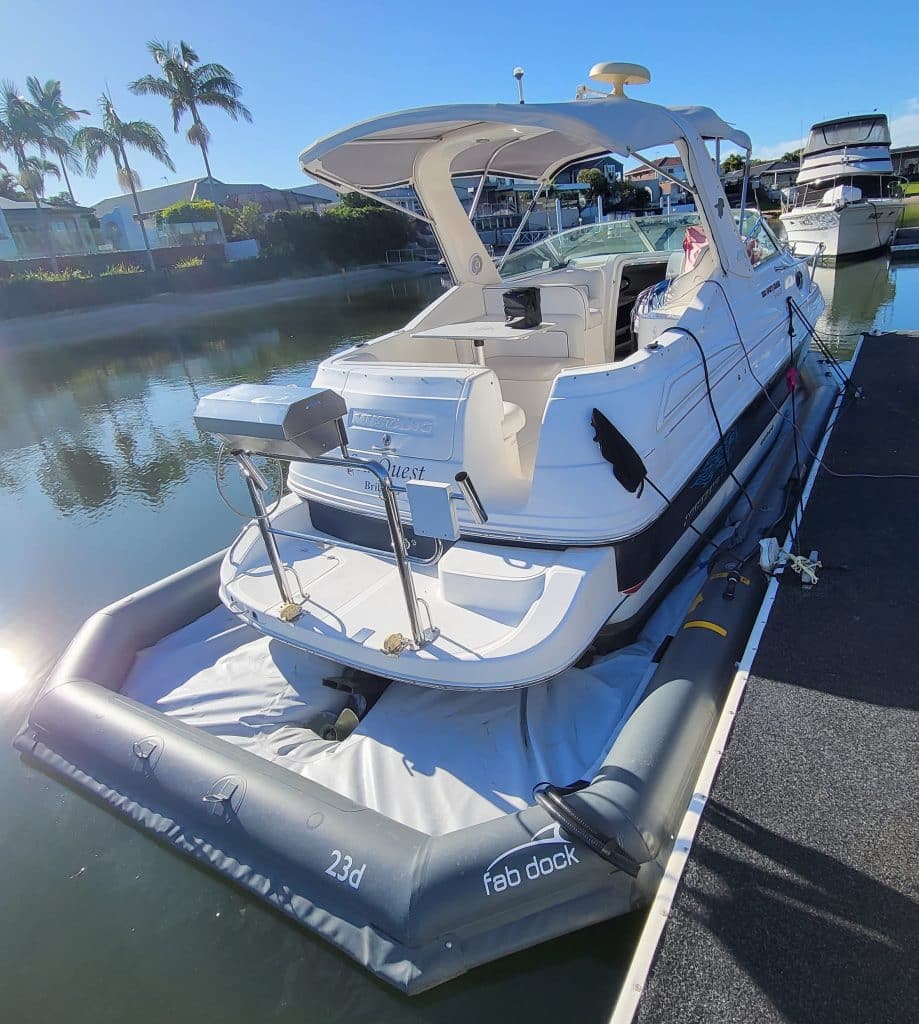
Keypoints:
pixel 518 74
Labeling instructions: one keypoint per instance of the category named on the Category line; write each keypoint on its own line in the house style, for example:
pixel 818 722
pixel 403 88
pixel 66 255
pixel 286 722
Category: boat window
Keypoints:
pixel 851 133
pixel 630 234
pixel 758 239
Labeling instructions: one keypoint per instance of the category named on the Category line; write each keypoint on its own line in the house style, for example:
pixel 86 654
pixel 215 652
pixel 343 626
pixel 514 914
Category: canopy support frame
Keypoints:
pixel 340 186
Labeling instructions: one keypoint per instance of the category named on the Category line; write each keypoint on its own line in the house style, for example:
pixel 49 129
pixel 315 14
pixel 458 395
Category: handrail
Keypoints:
pixel 814 257
pixel 290 610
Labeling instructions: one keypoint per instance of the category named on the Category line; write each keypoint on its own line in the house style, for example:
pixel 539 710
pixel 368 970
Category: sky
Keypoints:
pixel 308 69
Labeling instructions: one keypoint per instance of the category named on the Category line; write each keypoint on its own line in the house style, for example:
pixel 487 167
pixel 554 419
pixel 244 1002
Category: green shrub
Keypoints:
pixel 195 211
pixel 345 235
pixel 67 274
pixel 117 269
pixel 246 222
pixel 189 262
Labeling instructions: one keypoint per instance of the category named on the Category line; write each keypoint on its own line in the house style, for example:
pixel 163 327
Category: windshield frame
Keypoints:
pixel 636 229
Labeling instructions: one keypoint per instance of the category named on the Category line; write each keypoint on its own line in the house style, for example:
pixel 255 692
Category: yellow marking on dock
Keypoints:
pixel 696 601
pixel 705 624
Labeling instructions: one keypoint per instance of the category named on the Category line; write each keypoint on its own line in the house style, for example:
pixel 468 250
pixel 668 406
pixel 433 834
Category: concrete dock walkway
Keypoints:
pixel 172 309
pixel 799 899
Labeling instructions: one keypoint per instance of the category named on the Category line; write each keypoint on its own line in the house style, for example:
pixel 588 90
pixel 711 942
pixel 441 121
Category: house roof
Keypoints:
pixel 771 166
pixel 321 193
pixel 152 200
pixel 16 204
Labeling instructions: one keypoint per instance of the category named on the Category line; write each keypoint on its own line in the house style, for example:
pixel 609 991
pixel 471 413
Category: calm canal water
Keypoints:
pixel 105 486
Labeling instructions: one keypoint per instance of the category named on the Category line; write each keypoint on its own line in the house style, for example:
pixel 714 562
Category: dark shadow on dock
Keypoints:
pixel 790 896
pixel 800 900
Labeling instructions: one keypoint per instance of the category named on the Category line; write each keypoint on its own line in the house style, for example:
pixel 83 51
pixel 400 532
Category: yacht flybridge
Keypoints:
pixel 842 204
pixel 476 526
pixel 395 724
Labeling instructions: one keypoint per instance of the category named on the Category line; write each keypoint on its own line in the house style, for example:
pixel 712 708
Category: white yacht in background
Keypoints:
pixel 842 202
pixel 546 478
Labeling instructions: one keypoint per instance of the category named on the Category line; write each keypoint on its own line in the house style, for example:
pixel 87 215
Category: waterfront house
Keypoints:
pixel 25 230
pixel 121 230
pixel 660 186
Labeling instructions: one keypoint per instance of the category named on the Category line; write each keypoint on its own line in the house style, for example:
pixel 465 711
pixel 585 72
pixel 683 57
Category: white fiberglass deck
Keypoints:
pixel 525 614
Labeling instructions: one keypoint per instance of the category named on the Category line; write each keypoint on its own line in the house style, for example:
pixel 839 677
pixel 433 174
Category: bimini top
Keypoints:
pixel 520 141
pixel 846 146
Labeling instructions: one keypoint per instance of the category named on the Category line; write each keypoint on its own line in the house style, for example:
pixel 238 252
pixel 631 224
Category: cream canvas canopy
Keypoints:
pixel 531 141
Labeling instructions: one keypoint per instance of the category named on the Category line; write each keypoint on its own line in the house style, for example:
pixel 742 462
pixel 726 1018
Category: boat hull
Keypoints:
pixel 528 612
pixel 857 229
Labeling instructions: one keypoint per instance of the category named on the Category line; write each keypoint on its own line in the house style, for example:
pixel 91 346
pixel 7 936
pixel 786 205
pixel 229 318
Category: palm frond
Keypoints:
pixel 94 143
pixel 204 71
pixel 147 138
pixel 218 83
pixel 227 104
pixel 157 50
pixel 150 85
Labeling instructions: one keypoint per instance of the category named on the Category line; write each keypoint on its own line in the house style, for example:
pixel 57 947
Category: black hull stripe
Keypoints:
pixel 638 556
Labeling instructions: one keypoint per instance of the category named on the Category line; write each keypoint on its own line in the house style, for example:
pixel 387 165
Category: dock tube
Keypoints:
pixel 416 910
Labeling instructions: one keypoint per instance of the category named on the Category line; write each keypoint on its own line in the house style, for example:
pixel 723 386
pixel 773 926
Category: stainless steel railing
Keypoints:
pixel 256 483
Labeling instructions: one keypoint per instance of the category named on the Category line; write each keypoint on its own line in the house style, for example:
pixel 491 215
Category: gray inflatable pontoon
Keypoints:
pixel 377 842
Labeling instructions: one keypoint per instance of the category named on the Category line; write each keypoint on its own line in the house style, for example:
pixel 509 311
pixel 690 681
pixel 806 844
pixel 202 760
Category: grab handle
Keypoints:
pixel 471 497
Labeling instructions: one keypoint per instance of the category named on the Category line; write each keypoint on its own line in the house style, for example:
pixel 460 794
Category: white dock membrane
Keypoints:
pixel 434 760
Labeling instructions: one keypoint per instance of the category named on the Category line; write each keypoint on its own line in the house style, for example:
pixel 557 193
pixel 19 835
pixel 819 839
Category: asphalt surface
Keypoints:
pixel 800 901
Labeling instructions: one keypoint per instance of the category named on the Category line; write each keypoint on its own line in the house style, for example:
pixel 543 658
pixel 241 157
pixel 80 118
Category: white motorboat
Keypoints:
pixel 842 204
pixel 498 494
pixel 508 490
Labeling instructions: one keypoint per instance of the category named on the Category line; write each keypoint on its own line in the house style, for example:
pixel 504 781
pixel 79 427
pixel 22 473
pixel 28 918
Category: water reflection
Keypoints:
pixel 105 482
pixel 99 427
pixel 858 296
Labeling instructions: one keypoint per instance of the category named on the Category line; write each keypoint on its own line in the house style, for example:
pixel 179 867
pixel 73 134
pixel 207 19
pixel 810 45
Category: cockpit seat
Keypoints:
pixel 513 420
pixel 674 265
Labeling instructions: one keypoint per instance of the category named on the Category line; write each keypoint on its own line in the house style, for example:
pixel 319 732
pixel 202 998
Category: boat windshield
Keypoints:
pixel 631 234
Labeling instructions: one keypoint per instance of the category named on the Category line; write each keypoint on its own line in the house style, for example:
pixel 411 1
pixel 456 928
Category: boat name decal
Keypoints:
pixel 391 423
pixel 771 288
pixel 529 861
pixel 396 472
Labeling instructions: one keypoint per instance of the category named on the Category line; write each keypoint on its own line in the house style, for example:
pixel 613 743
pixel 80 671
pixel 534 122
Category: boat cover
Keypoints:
pixel 436 761
pixel 530 141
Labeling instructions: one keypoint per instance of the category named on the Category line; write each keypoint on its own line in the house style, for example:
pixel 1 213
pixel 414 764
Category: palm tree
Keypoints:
pixel 9 184
pixel 113 138
pixel 21 127
pixel 189 86
pixel 57 120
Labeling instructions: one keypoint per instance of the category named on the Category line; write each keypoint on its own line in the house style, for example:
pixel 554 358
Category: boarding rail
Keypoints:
pixel 814 257
pixel 256 484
